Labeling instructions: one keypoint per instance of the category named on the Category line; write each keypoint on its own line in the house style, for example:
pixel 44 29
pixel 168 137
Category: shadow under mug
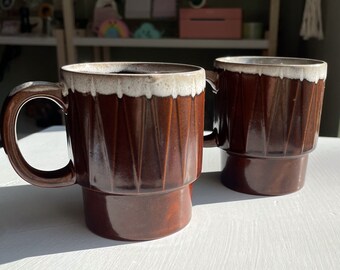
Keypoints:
pixel 266 120
pixel 135 134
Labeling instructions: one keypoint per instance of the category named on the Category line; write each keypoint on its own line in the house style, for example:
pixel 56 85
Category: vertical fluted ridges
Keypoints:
pixel 268 116
pixel 141 144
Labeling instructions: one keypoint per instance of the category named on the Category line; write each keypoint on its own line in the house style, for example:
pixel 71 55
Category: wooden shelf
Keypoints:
pixel 172 43
pixel 72 41
pixel 28 40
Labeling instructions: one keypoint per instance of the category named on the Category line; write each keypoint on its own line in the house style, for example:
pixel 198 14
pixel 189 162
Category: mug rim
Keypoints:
pixel 133 79
pixel 294 68
pixel 82 68
pixel 285 61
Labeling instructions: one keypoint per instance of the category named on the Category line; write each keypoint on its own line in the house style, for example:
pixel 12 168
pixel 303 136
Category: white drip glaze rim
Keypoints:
pixel 284 67
pixel 146 79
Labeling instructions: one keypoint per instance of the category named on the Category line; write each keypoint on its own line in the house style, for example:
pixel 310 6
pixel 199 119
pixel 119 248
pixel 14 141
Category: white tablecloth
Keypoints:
pixel 44 228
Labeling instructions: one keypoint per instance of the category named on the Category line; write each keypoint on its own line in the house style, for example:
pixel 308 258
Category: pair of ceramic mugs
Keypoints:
pixel 135 131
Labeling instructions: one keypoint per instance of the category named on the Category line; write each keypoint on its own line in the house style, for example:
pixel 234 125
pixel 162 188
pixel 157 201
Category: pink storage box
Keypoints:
pixel 213 23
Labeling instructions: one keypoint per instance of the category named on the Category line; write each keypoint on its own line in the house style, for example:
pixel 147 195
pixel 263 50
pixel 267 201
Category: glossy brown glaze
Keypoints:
pixel 134 145
pixel 266 125
pixel 136 158
pixel 263 176
pixel 135 141
pixel 143 217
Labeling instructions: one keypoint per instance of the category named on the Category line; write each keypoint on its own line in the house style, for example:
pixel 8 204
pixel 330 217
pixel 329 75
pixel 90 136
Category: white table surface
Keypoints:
pixel 44 228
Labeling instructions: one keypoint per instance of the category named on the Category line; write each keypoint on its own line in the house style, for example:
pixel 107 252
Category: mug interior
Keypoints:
pixel 129 68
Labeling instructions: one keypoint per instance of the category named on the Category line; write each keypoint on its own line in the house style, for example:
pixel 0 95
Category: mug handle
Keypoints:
pixel 212 79
pixel 210 140
pixel 15 101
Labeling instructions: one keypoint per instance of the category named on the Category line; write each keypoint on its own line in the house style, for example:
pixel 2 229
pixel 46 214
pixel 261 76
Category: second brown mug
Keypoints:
pixel 266 120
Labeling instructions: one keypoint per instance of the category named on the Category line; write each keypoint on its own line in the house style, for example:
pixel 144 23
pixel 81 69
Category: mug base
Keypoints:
pixel 263 176
pixel 137 217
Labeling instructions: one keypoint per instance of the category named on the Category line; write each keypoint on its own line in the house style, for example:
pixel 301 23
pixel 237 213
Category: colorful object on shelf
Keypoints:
pixel 147 30
pixel 252 30
pixel 104 10
pixel 45 10
pixel 210 23
pixel 111 4
pixel 113 29
pixel 46 13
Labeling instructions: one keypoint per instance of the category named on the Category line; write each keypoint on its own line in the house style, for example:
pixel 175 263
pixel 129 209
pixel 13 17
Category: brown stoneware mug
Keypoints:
pixel 135 134
pixel 266 120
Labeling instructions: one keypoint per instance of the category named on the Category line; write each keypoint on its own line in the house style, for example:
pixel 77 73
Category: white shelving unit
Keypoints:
pixel 66 42
pixel 171 43
pixel 27 40
pixel 72 41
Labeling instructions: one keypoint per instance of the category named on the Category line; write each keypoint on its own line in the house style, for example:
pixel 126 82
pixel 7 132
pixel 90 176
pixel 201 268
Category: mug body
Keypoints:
pixel 135 134
pixel 267 118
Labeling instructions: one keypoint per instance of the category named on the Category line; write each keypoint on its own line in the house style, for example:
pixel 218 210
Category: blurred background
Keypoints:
pixel 29 49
